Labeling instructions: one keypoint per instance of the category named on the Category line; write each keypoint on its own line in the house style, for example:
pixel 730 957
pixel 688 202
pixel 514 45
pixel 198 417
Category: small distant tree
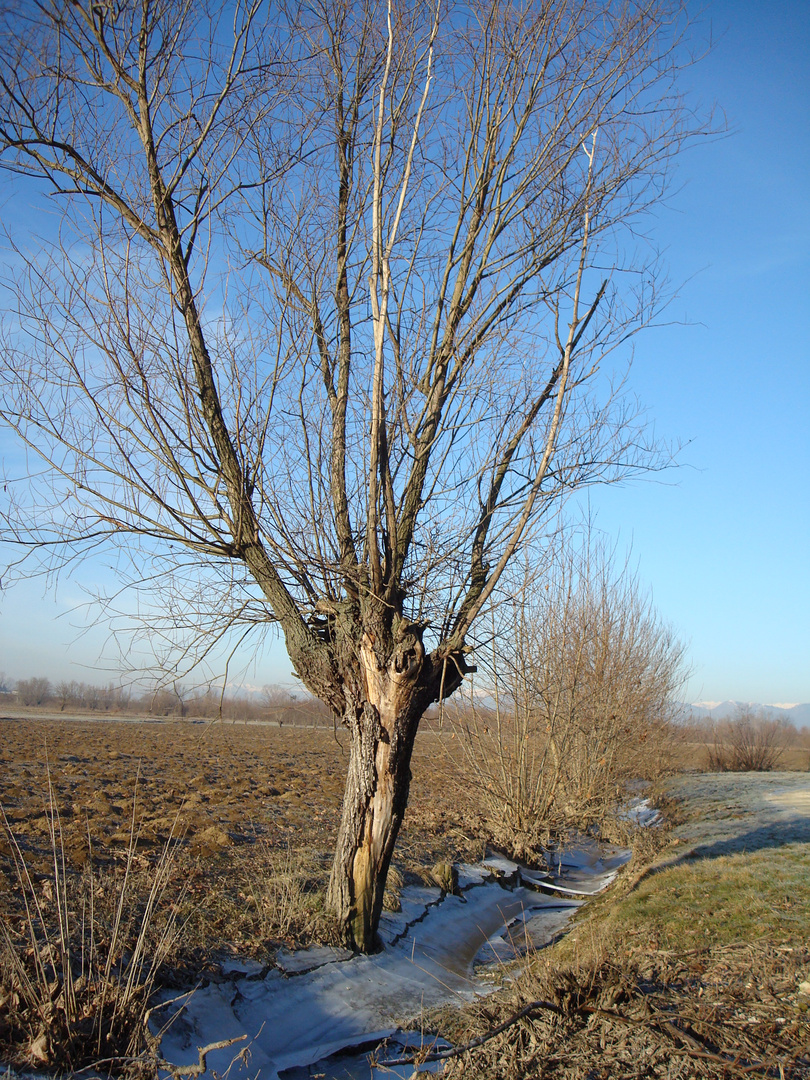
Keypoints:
pixel 162 702
pixel 31 692
pixel 751 741
pixel 276 702
pixel 281 705
pixel 67 692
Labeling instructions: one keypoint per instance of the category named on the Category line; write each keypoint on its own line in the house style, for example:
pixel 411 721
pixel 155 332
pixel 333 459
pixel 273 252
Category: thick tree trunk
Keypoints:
pixel 382 717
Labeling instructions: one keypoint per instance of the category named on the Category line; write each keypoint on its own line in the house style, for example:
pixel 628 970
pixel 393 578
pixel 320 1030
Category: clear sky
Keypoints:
pixel 726 550
pixel 724 541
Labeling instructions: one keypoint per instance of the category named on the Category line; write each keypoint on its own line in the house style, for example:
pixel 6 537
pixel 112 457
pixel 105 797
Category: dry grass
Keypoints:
pixel 83 950
pixel 691 966
pixel 285 890
pixel 721 1012
pixel 80 957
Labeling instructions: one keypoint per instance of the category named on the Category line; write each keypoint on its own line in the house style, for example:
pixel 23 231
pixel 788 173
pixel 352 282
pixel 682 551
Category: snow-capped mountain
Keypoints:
pixel 798 714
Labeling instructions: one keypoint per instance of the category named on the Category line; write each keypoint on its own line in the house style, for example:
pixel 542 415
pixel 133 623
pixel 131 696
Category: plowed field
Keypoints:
pixel 232 792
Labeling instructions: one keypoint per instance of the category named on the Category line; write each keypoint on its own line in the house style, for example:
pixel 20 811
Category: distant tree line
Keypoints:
pixel 273 703
pixel 750 739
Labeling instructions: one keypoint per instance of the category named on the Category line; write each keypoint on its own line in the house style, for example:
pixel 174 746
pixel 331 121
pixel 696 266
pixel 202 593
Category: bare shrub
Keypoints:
pixel 750 742
pixel 508 758
pixel 32 692
pixel 583 677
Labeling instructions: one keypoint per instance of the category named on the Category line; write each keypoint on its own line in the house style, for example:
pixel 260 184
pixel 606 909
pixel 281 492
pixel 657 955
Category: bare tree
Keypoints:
pixel 67 692
pixel 581 697
pixel 35 691
pixel 319 339
pixel 750 741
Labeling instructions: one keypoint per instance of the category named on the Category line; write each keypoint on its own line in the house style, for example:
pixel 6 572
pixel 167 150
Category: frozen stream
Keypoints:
pixel 438 949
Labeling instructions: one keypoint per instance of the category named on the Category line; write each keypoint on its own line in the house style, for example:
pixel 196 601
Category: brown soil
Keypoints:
pixel 226 785
pixel 225 788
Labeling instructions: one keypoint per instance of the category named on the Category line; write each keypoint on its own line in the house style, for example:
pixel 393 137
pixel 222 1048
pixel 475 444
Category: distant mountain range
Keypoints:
pixel 719 710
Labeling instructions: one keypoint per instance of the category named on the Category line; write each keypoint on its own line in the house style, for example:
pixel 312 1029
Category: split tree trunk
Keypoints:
pixel 382 716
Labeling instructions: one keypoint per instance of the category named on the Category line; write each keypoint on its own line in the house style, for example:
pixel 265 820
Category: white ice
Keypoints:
pixel 320 1001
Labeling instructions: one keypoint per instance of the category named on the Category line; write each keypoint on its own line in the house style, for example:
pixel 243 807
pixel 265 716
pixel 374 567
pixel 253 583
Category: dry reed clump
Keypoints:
pixel 394 885
pixel 285 891
pixel 260 898
pixel 80 956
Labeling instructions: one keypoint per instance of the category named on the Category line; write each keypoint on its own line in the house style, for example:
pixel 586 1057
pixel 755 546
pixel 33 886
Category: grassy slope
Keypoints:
pixel 726 899
pixel 690 966
pixel 735 867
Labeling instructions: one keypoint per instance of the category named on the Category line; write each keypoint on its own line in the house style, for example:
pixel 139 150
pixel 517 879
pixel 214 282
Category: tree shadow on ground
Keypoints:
pixel 793 830
pixel 777 834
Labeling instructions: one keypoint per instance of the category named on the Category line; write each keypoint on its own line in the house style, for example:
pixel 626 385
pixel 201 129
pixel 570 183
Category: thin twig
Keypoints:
pixel 201 1066
pixel 479 1040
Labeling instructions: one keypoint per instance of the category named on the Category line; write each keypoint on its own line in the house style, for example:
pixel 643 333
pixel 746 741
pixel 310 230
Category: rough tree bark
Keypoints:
pixel 396 683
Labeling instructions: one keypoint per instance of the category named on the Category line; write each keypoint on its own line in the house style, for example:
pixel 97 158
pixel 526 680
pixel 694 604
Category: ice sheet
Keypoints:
pixel 322 1001
pixel 301 1019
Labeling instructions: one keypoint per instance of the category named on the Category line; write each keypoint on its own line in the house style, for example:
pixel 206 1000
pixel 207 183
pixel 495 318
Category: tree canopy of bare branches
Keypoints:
pixel 750 740
pixel 317 334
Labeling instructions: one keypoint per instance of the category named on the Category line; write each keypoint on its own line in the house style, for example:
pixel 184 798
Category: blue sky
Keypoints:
pixel 723 542
pixel 725 548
